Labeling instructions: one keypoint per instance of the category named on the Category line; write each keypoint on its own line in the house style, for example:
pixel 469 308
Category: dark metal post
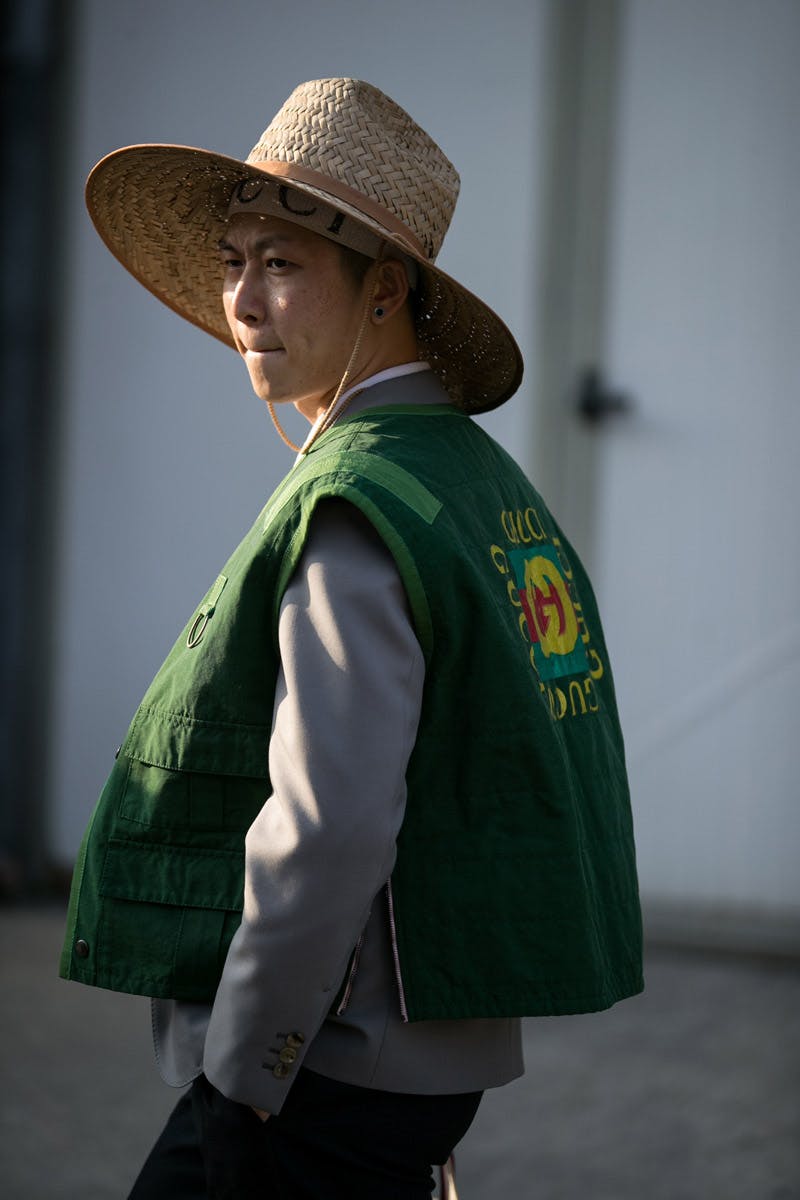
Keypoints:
pixel 34 52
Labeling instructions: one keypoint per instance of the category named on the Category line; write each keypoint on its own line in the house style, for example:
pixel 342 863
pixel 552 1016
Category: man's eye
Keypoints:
pixel 231 263
pixel 278 263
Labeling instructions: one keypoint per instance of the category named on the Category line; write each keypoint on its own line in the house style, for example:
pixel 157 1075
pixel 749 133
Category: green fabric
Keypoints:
pixel 514 890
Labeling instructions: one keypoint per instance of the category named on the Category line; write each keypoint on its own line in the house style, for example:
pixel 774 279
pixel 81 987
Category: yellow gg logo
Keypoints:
pixel 548 607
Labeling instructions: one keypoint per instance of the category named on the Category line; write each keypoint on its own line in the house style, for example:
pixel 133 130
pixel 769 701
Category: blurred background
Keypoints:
pixel 630 180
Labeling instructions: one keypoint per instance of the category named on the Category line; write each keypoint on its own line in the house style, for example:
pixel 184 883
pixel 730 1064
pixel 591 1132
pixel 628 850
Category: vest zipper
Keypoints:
pixel 205 612
pixel 345 1000
pixel 395 954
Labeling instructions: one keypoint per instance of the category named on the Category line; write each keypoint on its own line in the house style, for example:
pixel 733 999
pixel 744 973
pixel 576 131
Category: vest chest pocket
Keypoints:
pixel 205 612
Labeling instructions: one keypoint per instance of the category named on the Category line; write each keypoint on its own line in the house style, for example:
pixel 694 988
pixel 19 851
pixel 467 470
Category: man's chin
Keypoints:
pixel 269 396
pixel 267 391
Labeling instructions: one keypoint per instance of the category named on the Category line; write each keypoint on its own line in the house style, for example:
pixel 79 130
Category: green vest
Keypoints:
pixel 514 890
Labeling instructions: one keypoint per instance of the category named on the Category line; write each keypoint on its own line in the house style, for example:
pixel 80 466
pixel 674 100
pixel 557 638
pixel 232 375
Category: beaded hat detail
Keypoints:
pixel 341 159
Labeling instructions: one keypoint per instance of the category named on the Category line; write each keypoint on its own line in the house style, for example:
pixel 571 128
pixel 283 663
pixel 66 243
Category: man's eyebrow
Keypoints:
pixel 270 239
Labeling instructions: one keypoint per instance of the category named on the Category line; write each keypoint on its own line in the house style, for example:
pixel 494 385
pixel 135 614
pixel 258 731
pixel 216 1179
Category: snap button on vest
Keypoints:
pixel 82 948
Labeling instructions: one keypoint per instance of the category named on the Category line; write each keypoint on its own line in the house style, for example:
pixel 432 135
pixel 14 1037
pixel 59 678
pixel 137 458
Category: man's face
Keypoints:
pixel 293 310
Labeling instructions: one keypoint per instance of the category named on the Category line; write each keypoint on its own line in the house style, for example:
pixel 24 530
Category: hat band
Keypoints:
pixel 270 197
pixel 295 172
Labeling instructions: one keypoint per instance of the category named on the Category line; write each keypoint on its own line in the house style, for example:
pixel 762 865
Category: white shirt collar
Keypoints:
pixel 411 368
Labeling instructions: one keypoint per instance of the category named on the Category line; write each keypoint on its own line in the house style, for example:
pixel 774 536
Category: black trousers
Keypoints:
pixel 329 1140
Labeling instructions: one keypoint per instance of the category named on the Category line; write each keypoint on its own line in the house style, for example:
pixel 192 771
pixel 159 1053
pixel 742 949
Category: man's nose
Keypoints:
pixel 248 298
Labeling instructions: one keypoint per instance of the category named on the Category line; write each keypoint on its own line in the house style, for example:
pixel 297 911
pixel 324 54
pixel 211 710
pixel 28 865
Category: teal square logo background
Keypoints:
pixel 552 602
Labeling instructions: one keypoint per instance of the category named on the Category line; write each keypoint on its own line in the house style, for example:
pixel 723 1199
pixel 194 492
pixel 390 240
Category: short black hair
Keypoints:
pixel 355 264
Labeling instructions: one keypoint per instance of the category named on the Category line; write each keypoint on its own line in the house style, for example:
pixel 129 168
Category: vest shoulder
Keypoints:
pixel 436 443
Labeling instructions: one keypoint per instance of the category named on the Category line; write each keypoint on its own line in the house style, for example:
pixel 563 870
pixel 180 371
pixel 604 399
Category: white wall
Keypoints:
pixel 167 455
pixel 697 554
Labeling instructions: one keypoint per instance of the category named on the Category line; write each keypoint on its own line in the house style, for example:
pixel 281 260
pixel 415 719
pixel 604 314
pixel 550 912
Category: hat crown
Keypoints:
pixel 358 137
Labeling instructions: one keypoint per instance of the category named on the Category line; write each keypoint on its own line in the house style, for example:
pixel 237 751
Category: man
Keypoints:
pixel 373 808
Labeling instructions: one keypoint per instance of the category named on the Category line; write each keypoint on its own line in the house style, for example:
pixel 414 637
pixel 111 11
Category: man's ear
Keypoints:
pixel 391 287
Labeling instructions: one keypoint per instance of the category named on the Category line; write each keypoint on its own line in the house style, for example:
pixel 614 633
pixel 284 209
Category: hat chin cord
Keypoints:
pixel 327 417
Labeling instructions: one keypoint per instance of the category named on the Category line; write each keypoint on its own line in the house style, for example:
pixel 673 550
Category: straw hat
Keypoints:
pixel 340 158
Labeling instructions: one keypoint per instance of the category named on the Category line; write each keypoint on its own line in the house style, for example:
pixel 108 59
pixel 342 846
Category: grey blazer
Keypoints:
pixel 318 855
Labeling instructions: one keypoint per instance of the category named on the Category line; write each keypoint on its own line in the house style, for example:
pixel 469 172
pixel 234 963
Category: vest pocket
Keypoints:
pixel 190 801
pixel 169 913
pixel 175 875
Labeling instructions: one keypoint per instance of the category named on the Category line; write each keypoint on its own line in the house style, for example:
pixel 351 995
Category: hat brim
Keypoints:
pixel 162 210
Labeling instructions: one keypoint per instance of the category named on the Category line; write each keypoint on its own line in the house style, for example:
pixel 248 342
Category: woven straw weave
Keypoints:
pixel 350 131
pixel 162 210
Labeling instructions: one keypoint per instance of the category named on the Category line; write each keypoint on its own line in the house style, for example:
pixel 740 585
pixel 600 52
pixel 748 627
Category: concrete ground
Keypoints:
pixel 690 1092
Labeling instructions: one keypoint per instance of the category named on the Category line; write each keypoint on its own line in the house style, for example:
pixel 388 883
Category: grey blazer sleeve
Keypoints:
pixel 346 713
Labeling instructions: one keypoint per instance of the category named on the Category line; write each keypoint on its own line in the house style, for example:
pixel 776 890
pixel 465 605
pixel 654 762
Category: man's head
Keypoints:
pixel 296 304
pixel 340 160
